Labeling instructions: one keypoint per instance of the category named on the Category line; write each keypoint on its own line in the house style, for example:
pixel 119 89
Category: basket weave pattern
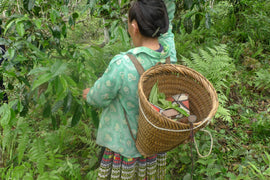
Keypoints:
pixel 172 79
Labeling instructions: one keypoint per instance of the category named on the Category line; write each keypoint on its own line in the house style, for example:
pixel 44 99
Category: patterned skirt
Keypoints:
pixel 115 166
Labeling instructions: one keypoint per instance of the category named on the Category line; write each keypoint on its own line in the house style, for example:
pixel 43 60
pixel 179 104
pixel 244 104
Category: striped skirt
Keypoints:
pixel 115 166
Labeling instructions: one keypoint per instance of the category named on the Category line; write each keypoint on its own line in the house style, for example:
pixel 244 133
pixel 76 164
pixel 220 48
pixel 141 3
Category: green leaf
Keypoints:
pixel 37 154
pixel 180 110
pixel 153 97
pixel 198 18
pixel 24 108
pixel 23 141
pixel 267 172
pixel 58 86
pixel 54 123
pixel 188 25
pixel 71 21
pixel 159 99
pixel 163 103
pixel 123 35
pixel 47 110
pixel 38 23
pixel 20 28
pixel 42 79
pixel 61 88
pixel 57 106
pixel 70 81
pixel 24 80
pixel 188 4
pixel 53 15
pixel 95 117
pixel 8 26
pixel 64 30
pixel 5 115
pixel 10 53
pixel 255 168
pixel 38 70
pixel 28 4
pixel 77 115
pixel 31 4
pixel 68 102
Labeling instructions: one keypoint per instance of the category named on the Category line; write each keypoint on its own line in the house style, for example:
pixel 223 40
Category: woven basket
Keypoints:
pixel 157 133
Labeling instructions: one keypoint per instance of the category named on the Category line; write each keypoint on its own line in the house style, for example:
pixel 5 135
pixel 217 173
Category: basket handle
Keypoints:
pixel 211 146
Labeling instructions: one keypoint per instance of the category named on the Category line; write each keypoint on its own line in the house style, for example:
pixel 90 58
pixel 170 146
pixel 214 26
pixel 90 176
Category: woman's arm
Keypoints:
pixel 106 87
pixel 168 38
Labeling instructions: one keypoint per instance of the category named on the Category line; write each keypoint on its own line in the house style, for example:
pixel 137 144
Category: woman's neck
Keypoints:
pixel 151 43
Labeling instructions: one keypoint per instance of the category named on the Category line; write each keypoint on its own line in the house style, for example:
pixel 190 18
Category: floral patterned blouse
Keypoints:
pixel 117 89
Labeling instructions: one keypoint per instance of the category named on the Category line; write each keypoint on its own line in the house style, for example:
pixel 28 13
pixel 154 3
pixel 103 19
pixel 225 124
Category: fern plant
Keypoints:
pixel 262 79
pixel 217 66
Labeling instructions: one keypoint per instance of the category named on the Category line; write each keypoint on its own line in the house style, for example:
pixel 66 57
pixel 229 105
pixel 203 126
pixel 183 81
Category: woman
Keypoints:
pixel 116 93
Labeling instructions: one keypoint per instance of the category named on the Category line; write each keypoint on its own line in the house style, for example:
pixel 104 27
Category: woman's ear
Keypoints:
pixel 135 26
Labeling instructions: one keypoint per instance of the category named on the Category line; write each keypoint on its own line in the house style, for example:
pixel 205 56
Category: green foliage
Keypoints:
pixel 216 65
pixel 261 172
pixel 191 15
pixel 159 99
pixel 114 16
pixel 262 80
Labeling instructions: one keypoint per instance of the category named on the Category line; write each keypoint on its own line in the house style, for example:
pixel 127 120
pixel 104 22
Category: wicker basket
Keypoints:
pixel 157 133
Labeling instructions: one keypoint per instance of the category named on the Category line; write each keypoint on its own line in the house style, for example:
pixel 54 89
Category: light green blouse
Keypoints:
pixel 117 90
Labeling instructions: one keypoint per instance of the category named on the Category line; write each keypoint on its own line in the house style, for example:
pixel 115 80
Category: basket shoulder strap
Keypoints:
pixel 129 126
pixel 136 63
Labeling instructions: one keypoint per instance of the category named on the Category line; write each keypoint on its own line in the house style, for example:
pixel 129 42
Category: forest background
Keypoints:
pixel 55 49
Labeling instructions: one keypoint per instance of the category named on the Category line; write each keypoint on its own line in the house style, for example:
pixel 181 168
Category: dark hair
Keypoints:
pixel 151 16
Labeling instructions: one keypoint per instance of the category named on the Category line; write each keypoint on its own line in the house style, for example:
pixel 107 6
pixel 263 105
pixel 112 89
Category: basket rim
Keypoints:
pixel 187 72
pixel 195 125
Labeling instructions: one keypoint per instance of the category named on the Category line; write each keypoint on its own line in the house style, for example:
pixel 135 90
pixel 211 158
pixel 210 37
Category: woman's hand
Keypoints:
pixel 85 92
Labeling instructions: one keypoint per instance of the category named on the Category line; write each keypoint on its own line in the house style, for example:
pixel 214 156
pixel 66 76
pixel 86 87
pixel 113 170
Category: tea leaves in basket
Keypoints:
pixel 159 99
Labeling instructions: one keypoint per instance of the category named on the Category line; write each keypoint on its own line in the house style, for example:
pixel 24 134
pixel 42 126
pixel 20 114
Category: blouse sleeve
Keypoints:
pixel 168 37
pixel 106 87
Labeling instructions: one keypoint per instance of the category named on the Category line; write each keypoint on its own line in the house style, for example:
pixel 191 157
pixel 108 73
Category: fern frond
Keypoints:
pixel 262 79
pixel 206 56
pixel 224 114
pixel 216 65
pixel 23 140
pixel 88 130
pixel 37 154
pixel 92 175
pixel 8 141
pixel 70 169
